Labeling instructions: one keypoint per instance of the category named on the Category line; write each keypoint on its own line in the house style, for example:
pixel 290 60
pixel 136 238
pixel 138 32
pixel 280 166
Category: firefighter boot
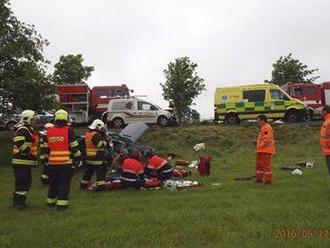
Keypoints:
pixel 101 188
pixel 83 186
pixel 61 208
pixel 19 201
pixel 44 180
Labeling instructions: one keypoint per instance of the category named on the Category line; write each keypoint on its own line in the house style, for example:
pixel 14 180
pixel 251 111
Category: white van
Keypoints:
pixel 125 111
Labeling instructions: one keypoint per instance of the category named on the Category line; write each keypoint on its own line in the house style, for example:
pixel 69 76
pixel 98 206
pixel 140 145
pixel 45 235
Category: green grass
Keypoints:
pixel 234 214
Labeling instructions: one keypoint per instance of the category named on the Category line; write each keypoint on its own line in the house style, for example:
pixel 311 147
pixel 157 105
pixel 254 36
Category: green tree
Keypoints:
pixel 23 79
pixel 290 70
pixel 70 70
pixel 182 84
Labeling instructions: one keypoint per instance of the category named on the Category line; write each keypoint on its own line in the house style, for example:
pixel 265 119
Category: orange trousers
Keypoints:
pixel 263 167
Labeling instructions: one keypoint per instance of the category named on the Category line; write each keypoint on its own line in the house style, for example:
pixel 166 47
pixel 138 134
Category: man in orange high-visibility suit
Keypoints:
pixel 265 149
pixel 325 135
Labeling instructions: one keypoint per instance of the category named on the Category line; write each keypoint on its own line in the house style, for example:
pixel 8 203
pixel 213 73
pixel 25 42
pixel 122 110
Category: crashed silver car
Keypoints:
pixel 126 139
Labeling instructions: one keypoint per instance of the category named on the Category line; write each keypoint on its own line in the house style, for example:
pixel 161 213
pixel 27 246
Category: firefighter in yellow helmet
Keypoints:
pixel 96 159
pixel 62 153
pixel 25 150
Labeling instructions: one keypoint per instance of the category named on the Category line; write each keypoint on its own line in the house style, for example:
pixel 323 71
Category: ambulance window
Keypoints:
pixel 254 95
pixel 278 95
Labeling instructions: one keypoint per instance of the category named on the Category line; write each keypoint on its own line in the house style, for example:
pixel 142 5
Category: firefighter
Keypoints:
pixel 158 167
pixel 325 135
pixel 96 159
pixel 44 178
pixel 63 153
pixel 132 170
pixel 265 149
pixel 25 150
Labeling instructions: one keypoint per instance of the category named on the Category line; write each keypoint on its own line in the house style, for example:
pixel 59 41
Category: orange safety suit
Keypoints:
pixel 325 135
pixel 265 149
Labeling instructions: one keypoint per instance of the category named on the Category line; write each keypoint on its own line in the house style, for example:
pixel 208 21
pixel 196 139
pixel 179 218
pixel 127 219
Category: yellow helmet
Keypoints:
pixel 61 115
pixel 27 117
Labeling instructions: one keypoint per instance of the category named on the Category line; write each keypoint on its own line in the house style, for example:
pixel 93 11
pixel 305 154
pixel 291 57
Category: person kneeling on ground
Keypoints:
pixel 158 167
pixel 131 170
pixel 96 161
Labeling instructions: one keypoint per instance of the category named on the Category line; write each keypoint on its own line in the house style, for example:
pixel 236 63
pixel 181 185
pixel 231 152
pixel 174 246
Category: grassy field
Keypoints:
pixel 234 214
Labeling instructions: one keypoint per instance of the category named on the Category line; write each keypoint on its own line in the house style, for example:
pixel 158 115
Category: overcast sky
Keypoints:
pixel 232 41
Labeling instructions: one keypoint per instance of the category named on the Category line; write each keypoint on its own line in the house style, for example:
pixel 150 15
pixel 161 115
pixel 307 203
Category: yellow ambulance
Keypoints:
pixel 246 102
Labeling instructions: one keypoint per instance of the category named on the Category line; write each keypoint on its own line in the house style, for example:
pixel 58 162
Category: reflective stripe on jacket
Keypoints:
pixel 25 149
pixel 58 145
pixel 266 142
pixel 94 148
pixel 325 135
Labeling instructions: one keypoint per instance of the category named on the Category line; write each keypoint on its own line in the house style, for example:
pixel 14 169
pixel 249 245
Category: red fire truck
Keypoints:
pixel 315 96
pixel 85 104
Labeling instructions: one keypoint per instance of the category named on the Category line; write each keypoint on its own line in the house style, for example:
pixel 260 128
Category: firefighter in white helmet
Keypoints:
pixel 63 152
pixel 96 159
pixel 26 141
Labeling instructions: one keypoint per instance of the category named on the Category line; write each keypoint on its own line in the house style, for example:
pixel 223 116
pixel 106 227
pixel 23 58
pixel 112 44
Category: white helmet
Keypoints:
pixel 97 125
pixel 48 125
pixel 27 116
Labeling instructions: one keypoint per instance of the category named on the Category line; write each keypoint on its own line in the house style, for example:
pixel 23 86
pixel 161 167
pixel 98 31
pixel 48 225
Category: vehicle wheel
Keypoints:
pixel 117 122
pixel 292 116
pixel 162 121
pixel 232 119
pixel 307 116
pixel 11 126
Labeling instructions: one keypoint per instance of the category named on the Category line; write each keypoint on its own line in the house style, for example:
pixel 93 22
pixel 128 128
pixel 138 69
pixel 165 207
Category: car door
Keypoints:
pixel 147 112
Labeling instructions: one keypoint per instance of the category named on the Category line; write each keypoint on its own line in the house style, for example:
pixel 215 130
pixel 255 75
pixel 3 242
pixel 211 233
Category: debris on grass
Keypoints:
pixel 204 165
pixel 199 146
pixel 216 184
pixel 291 167
pixel 245 178
pixel 297 172
pixel 174 185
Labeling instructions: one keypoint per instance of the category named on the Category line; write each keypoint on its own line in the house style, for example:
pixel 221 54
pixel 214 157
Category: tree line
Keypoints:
pixel 26 84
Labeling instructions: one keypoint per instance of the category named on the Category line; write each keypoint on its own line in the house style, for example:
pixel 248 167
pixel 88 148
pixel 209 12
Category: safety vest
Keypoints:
pixel 266 143
pixel 156 163
pixel 32 144
pixel 94 154
pixel 58 144
pixel 325 136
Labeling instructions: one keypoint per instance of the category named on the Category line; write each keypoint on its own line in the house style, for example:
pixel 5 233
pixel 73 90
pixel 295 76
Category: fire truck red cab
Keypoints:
pixel 101 95
pixel 309 93
pixel 84 104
